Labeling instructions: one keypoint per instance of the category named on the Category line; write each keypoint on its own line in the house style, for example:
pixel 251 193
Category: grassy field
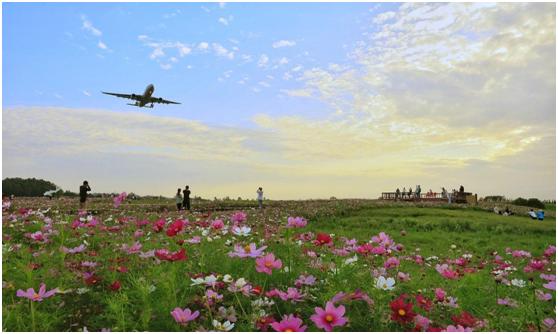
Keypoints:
pixel 345 251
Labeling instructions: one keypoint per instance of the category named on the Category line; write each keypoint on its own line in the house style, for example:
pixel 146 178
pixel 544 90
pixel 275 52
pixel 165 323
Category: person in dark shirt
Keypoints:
pixel 186 203
pixel 83 189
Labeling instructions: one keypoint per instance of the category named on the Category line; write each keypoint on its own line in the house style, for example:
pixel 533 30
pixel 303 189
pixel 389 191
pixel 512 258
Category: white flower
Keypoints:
pixel 467 256
pixel 197 281
pixel 385 284
pixel 152 288
pixel 518 282
pixel 351 260
pixel 227 278
pixel 210 280
pixel 81 291
pixel 453 246
pixel 224 327
pixel 243 231
pixel 240 283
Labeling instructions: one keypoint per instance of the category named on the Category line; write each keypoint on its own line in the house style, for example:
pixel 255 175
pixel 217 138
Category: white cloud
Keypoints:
pixel 88 26
pixel 264 84
pixel 166 66
pixel 283 43
pixel 157 52
pixel 203 46
pixel 221 51
pixel 222 5
pixel 223 21
pixel 264 59
pixel 283 61
pixel 102 45
pixel 86 93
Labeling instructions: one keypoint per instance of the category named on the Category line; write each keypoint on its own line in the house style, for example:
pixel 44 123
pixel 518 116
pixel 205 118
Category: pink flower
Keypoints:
pixel 138 234
pixel 330 317
pixel 135 248
pixel 217 224
pixel 194 240
pixel 289 323
pixel 550 285
pixel 239 217
pixel 119 199
pixel 440 294
pixel 74 250
pixel 507 302
pixel 459 328
pixel 391 263
pixel 305 280
pixel 543 296
pixel 422 322
pixel 445 271
pixel 36 296
pixel 404 277
pixel 184 316
pixel 212 296
pixel 296 222
pixel 551 250
pixel 266 263
pixel 292 294
pixel 247 251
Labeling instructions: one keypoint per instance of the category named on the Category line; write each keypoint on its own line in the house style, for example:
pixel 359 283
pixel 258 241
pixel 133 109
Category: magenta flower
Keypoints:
pixel 422 322
pixel 440 294
pixel 551 250
pixel 292 294
pixel 135 248
pixel 296 222
pixel 247 251
pixel 239 217
pixel 119 199
pixel 445 271
pixel 184 316
pixel 330 317
pixel 507 302
pixel 266 263
pixel 217 224
pixel 543 296
pixel 289 323
pixel 36 296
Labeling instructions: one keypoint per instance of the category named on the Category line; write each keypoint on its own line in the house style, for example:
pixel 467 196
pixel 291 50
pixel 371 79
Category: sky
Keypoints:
pixel 307 100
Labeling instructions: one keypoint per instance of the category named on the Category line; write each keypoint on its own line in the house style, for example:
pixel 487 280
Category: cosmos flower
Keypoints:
pixel 305 280
pixel 518 282
pixel 385 284
pixel 119 199
pixel 323 239
pixel 401 312
pixel 36 296
pixel 330 317
pixel 217 224
pixel 459 328
pixel 222 327
pixel 239 217
pixel 296 222
pixel 507 302
pixel 74 250
pixel 247 251
pixel 242 231
pixel 289 323
pixel 268 262
pixel 391 263
pixel 183 316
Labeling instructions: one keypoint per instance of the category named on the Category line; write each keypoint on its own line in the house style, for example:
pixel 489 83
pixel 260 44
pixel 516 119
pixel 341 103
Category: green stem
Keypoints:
pixel 33 326
pixel 240 304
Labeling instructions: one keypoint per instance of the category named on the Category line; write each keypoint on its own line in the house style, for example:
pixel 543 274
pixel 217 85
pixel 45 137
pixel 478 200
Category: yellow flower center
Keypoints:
pixel 36 296
pixel 268 264
pixel 385 286
pixel 247 248
pixel 402 312
pixel 329 318
pixel 288 330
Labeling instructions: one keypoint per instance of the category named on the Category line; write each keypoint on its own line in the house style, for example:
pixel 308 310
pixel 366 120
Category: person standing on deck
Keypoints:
pixel 186 203
pixel 397 193
pixel 404 193
pixel 83 189
pixel 178 199
pixel 410 192
pixel 260 197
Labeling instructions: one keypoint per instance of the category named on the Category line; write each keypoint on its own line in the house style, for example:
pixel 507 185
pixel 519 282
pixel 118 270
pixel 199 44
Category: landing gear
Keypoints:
pixel 151 105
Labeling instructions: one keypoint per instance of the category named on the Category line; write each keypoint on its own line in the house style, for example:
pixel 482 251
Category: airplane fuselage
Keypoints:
pixel 146 95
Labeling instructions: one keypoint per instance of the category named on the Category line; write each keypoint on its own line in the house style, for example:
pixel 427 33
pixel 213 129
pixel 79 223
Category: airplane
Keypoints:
pixel 145 100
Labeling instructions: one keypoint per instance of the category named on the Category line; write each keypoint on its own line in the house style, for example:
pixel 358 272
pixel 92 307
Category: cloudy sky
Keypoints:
pixel 305 100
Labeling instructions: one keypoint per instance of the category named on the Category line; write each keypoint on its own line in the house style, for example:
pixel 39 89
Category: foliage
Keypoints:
pixel 26 187
pixel 531 202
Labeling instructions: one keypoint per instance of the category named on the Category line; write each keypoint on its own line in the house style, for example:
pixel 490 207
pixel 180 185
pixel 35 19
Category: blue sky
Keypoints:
pixel 307 100
pixel 52 60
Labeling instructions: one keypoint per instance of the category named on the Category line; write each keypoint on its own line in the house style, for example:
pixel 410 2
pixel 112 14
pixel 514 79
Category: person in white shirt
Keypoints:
pixel 532 214
pixel 260 197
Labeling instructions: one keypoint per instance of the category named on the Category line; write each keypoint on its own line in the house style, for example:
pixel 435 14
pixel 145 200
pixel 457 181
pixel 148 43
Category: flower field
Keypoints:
pixel 340 265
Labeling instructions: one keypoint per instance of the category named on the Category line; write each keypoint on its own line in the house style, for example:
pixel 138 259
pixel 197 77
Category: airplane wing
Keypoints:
pixel 125 96
pixel 161 100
